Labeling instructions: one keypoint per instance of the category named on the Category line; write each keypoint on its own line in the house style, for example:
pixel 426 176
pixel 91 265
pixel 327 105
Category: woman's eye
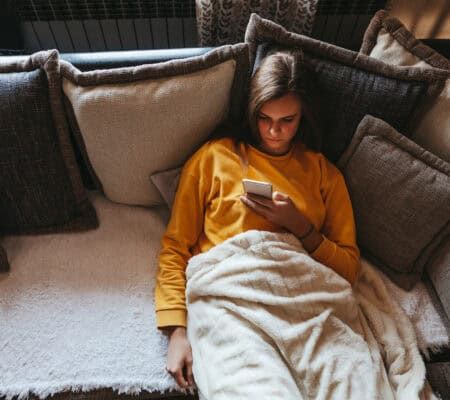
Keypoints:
pixel 263 117
pixel 289 119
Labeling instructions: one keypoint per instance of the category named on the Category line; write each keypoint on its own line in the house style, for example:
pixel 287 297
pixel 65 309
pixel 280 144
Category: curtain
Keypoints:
pixel 224 21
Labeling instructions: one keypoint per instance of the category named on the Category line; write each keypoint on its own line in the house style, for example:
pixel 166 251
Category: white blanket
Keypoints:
pixel 266 321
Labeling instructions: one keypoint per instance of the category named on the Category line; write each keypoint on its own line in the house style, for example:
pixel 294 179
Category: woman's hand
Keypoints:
pixel 280 210
pixel 179 358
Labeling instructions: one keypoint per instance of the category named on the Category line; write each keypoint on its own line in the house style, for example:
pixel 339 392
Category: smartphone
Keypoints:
pixel 257 187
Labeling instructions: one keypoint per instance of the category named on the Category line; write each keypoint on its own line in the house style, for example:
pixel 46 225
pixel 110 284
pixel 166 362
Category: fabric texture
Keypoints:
pixel 106 279
pixel 207 210
pixel 439 377
pixel 438 270
pixel 401 199
pixel 223 22
pixel 260 309
pixel 351 85
pixel 424 310
pixel 167 183
pixel 387 39
pixel 77 308
pixel 4 264
pixel 40 185
pixel 121 113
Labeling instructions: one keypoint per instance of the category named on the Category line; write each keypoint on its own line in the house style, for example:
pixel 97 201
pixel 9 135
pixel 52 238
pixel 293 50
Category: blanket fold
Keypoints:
pixel 267 320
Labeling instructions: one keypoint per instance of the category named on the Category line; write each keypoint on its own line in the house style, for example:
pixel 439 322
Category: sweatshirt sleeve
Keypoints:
pixel 338 250
pixel 182 233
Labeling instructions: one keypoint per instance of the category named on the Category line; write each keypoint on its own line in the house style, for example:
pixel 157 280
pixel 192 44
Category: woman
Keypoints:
pixel 310 198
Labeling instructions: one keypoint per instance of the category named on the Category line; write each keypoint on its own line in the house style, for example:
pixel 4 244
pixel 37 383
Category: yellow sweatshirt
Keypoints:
pixel 207 211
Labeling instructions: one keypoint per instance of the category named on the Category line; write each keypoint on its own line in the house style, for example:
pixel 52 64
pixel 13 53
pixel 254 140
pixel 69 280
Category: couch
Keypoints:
pixel 77 294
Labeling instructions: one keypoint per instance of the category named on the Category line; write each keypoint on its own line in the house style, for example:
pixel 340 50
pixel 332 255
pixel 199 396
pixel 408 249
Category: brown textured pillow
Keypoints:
pixel 350 84
pixel 387 39
pixel 400 194
pixel 40 186
pixel 131 122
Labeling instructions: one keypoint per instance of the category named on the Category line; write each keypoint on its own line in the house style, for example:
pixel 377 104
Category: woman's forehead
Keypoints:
pixel 290 103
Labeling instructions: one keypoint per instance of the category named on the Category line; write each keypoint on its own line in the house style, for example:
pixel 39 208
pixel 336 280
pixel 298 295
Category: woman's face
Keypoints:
pixel 278 120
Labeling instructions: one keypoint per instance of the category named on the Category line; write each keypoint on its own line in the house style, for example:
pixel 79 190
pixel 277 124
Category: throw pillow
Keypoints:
pixel 167 184
pixel 350 84
pixel 387 39
pixel 401 199
pixel 40 186
pixel 134 121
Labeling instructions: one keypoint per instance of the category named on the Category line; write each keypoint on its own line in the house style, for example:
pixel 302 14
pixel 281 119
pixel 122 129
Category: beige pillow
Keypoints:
pixel 388 40
pixel 132 122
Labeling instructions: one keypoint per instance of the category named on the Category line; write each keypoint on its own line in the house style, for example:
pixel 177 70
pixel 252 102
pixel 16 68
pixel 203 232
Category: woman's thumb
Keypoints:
pixel 279 196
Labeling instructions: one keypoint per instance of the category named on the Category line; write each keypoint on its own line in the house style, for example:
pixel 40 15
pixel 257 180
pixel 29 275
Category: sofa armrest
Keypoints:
pixel 116 59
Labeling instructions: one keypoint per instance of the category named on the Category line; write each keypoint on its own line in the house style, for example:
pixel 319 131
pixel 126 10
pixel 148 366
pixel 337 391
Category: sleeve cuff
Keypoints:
pixel 171 318
pixel 325 251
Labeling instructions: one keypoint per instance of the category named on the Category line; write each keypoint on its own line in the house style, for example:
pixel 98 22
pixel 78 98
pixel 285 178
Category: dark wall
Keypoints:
pixel 10 33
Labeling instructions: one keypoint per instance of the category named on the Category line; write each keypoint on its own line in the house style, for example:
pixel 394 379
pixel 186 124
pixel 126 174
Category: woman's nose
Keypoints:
pixel 274 129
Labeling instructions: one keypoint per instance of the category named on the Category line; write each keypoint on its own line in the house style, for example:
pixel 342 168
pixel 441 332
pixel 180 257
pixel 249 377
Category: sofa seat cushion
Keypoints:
pixel 77 308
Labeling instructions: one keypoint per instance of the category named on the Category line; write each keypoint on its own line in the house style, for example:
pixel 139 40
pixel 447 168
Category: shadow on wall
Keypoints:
pixel 424 18
pixel 10 33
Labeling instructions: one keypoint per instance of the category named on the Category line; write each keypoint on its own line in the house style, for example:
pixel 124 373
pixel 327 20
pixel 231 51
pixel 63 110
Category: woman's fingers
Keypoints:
pixel 260 200
pixel 180 378
pixel 177 374
pixel 190 375
pixel 260 209
pixel 183 374
pixel 280 196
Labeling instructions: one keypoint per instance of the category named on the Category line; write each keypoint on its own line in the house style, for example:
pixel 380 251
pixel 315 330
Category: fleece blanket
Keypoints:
pixel 267 321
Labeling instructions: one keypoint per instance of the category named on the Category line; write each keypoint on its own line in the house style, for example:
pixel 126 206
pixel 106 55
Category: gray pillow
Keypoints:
pixel 401 199
pixel 167 183
pixel 40 185
pixel 350 85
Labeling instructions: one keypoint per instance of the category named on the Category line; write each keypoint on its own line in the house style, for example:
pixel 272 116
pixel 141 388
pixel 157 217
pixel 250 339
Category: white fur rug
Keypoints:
pixel 76 310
